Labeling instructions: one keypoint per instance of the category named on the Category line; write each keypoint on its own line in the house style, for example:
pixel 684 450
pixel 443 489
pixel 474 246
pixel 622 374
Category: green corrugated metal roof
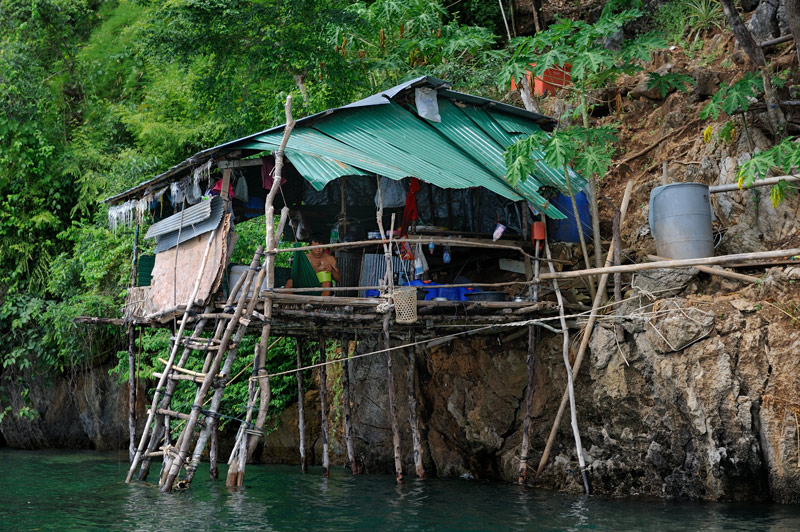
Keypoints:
pixel 312 142
pixel 320 170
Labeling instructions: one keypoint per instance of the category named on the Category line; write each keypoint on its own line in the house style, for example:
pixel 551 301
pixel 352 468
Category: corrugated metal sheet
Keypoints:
pixel 373 268
pixel 320 170
pixel 189 216
pixel 312 142
pixel 169 240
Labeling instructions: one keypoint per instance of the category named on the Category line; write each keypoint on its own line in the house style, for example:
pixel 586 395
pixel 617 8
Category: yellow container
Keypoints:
pixel 324 277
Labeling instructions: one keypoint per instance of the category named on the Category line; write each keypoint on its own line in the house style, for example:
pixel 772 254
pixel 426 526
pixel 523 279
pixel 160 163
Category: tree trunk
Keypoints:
pixel 793 19
pixel 536 7
pixel 756 55
pixel 527 96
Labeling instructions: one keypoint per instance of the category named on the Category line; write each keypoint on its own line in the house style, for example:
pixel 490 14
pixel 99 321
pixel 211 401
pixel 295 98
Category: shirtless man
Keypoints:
pixel 321 262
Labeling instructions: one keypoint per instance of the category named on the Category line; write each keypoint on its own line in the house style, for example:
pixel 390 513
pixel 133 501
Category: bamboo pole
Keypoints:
pixel 587 332
pixel 213 452
pixel 570 383
pixel 677 263
pixel 398 464
pixel 348 429
pixel 734 187
pixel 416 439
pixel 131 392
pixel 715 271
pixel 188 430
pixel 323 403
pixel 132 357
pixel 454 241
pixel 301 424
pixel 173 352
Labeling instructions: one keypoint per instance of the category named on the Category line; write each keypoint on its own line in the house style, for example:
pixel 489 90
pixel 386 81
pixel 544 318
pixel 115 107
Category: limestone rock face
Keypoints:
pixel 88 409
pixel 683 397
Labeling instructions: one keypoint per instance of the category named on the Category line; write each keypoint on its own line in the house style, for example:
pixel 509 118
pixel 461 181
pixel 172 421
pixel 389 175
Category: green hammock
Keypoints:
pixel 303 274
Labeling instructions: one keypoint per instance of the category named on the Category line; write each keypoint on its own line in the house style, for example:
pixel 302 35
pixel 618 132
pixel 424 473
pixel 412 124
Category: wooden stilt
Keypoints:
pixel 348 430
pixel 416 438
pixel 570 384
pixel 587 332
pixel 301 422
pixel 132 357
pixel 323 403
pixel 526 424
pixel 213 452
pixel 398 464
pixel 131 392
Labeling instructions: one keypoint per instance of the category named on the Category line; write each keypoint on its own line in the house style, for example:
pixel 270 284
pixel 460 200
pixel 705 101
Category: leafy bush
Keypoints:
pixel 666 83
pixel 784 157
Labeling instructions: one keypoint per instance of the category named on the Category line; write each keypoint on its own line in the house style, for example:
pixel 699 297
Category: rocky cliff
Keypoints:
pixel 685 396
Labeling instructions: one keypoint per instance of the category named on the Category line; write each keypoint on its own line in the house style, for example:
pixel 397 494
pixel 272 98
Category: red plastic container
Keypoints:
pixel 538 231
pixel 551 81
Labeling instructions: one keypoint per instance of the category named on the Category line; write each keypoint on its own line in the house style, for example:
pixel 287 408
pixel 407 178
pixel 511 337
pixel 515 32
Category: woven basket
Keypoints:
pixel 405 305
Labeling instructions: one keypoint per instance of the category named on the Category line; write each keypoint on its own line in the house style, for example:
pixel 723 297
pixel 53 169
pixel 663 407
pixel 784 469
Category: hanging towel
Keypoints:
pixel 303 274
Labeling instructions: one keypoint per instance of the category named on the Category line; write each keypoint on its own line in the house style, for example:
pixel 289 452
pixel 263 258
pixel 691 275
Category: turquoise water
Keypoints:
pixel 68 490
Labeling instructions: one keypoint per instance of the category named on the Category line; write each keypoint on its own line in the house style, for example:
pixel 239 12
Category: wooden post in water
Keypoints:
pixel 348 429
pixel 323 404
pixel 412 410
pixel 132 355
pixel 131 391
pixel 301 422
pixel 398 464
pixel 213 452
pixel 526 424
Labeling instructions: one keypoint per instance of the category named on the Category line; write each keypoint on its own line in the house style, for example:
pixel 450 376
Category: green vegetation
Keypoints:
pixel 96 96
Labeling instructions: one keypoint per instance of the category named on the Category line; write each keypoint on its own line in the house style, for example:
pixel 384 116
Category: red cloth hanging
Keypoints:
pixel 410 211
pixel 217 190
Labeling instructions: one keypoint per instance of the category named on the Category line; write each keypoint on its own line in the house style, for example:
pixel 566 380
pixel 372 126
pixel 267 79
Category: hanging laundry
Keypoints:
pixel 410 212
pixel 268 172
pixel 241 190
pixel 218 188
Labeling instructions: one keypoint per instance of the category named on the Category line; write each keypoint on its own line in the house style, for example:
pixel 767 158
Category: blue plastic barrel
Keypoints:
pixel 680 220
pixel 567 230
